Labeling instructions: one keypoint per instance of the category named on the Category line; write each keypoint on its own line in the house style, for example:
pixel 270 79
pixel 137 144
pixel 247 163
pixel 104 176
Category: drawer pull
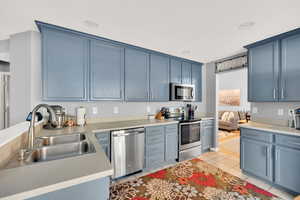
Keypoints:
pixel 292 143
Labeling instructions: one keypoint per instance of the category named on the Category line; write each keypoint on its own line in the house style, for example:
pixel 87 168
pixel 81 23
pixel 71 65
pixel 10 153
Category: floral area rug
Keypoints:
pixel 189 180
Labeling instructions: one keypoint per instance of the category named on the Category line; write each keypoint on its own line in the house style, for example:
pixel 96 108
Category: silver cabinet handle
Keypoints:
pixel 282 93
pixel 274 93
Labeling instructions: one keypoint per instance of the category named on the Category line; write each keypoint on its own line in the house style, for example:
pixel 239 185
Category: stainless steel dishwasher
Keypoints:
pixel 127 151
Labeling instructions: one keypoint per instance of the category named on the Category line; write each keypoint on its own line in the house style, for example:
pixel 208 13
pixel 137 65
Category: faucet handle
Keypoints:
pixel 38 114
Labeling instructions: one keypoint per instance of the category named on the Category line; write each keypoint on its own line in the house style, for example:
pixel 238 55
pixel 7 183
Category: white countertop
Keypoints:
pixel 40 178
pixel 272 128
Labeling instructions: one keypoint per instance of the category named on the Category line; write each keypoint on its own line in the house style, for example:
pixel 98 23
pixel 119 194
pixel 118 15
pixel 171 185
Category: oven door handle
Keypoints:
pixel 187 123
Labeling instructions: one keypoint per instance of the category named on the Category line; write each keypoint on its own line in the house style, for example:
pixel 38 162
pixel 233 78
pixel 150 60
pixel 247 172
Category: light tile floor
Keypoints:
pixel 231 164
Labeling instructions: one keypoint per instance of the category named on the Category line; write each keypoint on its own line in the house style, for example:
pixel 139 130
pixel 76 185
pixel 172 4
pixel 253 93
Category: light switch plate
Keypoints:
pixel 116 110
pixel 95 110
pixel 254 110
pixel 280 111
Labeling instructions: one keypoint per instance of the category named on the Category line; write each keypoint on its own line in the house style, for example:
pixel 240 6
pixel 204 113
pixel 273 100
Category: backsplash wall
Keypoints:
pixel 268 112
pixel 125 109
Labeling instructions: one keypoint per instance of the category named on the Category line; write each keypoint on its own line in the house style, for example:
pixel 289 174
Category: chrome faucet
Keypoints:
pixel 31 132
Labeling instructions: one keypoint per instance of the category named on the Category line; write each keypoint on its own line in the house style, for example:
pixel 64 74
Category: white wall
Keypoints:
pixel 20 70
pixel 27 92
pixel 235 79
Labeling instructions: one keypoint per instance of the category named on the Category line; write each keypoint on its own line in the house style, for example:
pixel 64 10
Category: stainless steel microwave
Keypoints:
pixel 182 92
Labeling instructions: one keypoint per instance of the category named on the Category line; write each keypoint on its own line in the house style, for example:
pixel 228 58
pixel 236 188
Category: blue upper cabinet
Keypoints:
pixel 159 77
pixel 175 70
pixel 136 75
pixel 78 66
pixel 65 66
pixel 274 68
pixel 186 73
pixel 263 72
pixel 290 69
pixel 197 81
pixel 107 71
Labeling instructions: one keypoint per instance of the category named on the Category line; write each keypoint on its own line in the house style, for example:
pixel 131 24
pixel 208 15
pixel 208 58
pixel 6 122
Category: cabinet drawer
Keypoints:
pixel 290 141
pixel 172 129
pixel 155 149
pixel 257 135
pixel 155 139
pixel 154 135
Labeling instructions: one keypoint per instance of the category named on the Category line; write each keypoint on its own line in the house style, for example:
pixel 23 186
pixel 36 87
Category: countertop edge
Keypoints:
pixel 272 128
pixel 58 186
pixel 134 126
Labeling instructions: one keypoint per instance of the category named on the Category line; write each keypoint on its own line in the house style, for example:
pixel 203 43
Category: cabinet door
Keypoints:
pixel 65 65
pixel 186 73
pixel 107 71
pixel 159 78
pixel 256 158
pixel 263 73
pixel 136 75
pixel 207 137
pixel 290 67
pixel 197 81
pixel 171 146
pixel 175 71
pixel 154 147
pixel 287 165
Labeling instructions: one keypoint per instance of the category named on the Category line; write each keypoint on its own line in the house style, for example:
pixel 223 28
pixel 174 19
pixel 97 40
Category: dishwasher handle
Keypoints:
pixel 127 133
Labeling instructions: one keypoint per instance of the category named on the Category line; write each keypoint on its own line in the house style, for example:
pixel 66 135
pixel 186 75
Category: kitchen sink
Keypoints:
pixel 66 150
pixel 61 139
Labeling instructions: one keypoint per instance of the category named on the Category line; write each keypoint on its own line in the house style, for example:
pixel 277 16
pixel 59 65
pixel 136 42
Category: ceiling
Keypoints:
pixel 202 30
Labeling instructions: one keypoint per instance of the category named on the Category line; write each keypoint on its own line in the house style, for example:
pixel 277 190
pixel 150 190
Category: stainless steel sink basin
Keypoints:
pixel 48 153
pixel 61 139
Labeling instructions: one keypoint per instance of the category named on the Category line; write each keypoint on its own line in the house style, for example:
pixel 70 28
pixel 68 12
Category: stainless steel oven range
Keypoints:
pixel 189 139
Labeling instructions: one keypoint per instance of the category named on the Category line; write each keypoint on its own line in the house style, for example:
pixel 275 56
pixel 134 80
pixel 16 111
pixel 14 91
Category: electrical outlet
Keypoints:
pixel 254 110
pixel 148 109
pixel 116 110
pixel 280 111
pixel 95 110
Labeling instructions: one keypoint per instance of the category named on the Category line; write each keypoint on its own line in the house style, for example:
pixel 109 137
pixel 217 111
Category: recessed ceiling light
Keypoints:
pixel 185 52
pixel 246 25
pixel 90 24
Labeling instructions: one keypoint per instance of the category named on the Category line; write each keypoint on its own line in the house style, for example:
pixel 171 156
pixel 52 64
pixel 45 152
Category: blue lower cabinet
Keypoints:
pixel 256 158
pixel 207 136
pixel 104 140
pixel 97 189
pixel 161 146
pixel 287 165
pixel 171 145
pixel 154 147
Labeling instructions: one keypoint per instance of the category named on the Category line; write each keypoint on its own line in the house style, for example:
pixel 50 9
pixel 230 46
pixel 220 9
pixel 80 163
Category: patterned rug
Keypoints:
pixel 189 180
